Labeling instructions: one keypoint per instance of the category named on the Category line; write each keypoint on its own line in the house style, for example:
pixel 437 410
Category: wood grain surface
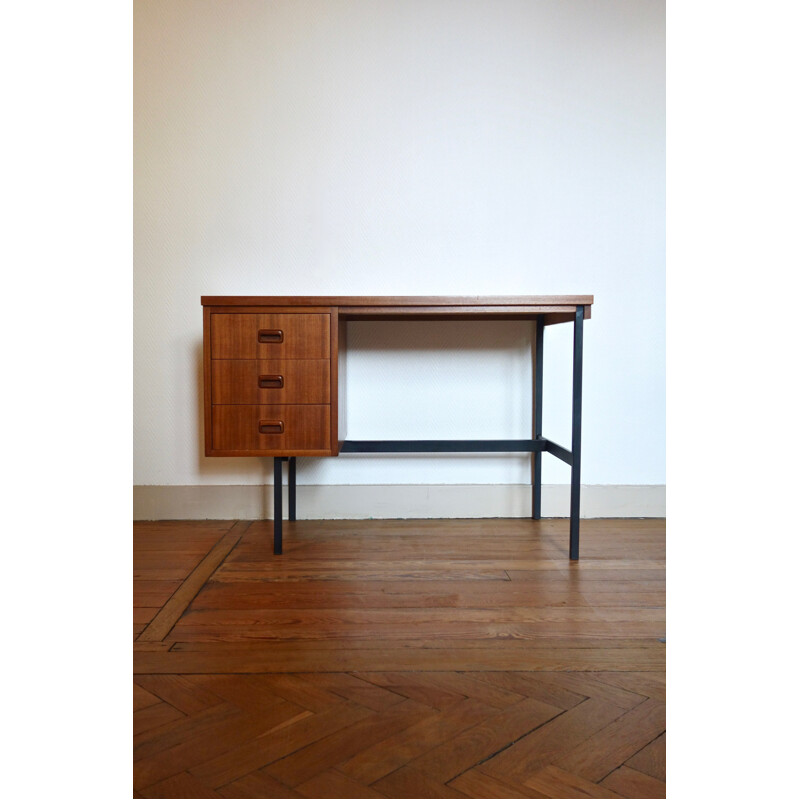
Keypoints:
pixel 399 658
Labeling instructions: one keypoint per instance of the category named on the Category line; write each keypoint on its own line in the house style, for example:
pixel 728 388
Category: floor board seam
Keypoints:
pixel 169 609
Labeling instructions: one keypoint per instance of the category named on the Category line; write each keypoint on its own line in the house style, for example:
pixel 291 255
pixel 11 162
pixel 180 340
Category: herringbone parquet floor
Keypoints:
pixel 434 658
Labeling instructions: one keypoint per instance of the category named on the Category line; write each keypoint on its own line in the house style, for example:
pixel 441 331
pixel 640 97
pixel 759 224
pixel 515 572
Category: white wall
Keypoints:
pixel 404 147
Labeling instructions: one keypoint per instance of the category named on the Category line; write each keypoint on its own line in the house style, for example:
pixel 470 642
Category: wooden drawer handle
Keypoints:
pixel 270 336
pixel 270 381
pixel 270 426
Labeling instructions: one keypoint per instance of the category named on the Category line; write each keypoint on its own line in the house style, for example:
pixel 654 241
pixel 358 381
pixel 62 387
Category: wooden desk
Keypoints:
pixel 275 373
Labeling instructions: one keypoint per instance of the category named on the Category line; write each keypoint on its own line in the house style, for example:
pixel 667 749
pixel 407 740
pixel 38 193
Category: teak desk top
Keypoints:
pixel 554 308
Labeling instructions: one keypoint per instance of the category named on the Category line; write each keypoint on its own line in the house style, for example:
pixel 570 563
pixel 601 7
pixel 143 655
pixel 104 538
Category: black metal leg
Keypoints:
pixel 537 418
pixel 577 390
pixel 292 488
pixel 277 517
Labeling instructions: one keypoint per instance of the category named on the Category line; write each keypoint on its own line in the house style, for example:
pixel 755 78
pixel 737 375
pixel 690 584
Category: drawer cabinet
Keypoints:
pixel 270 376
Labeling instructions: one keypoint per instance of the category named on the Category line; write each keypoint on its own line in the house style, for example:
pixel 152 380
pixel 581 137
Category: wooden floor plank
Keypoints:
pixel 483 741
pixel 319 756
pixel 646 684
pixel 573 640
pixel 180 785
pixel 485 631
pixel 651 759
pixel 408 782
pixel 594 688
pixel 203 746
pixel 467 685
pixel 554 782
pixel 247 692
pixel 267 619
pixel 382 758
pixel 477 784
pixel 164 738
pixel 333 784
pixel 185 693
pixel 528 755
pixel 420 686
pixel 142 698
pixel 352 687
pixel 264 750
pixel 144 613
pixel 398 659
pixel 218 595
pixel 601 753
pixel 154 717
pixel 526 684
pixel 302 690
pixel 153 593
pixel 256 784
pixel 628 782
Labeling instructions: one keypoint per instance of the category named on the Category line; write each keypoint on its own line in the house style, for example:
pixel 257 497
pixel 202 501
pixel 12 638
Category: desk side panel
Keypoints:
pixel 334 382
pixel 340 413
pixel 207 380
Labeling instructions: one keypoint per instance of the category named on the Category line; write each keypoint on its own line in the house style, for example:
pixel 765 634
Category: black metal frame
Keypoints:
pixel 277 517
pixel 536 500
pixel 538 445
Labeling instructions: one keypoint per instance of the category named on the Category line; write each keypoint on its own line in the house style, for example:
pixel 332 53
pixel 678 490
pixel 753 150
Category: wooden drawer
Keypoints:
pixel 271 427
pixel 273 382
pixel 270 336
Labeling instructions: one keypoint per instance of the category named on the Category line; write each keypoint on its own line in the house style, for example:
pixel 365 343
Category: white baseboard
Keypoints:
pixel 447 501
